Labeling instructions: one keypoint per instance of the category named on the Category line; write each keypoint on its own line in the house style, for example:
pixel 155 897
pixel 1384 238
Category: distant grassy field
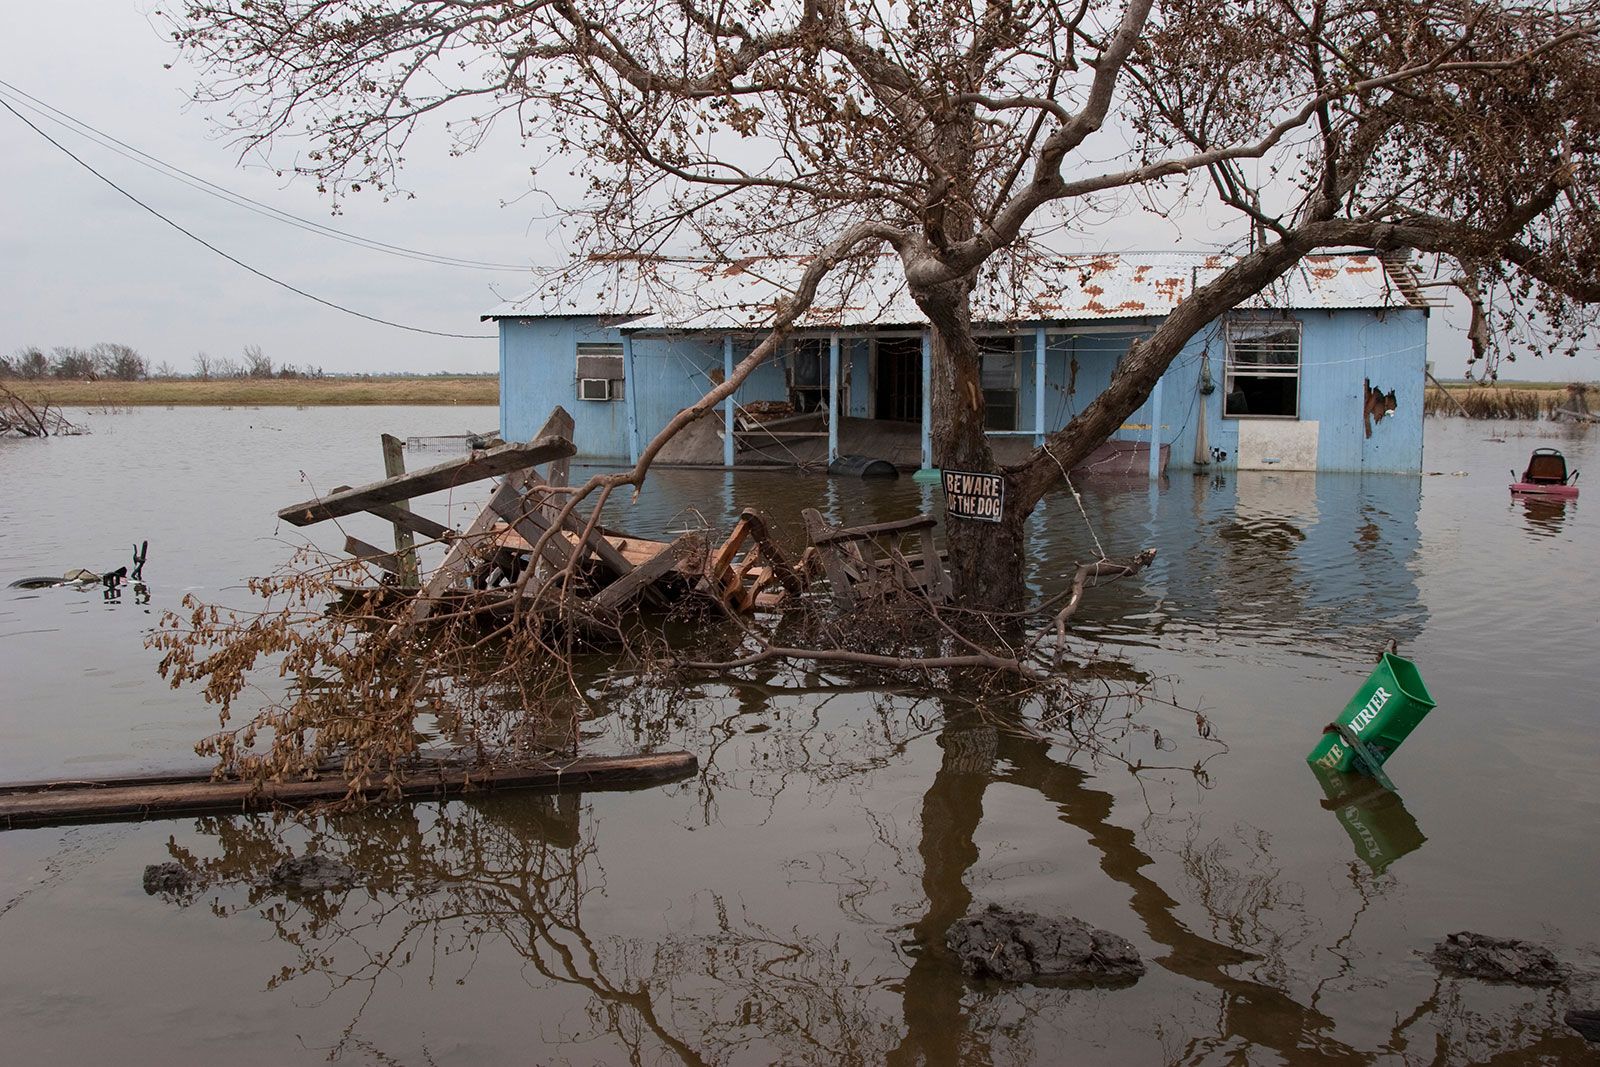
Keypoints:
pixel 262 391
pixel 1508 383
pixel 1504 400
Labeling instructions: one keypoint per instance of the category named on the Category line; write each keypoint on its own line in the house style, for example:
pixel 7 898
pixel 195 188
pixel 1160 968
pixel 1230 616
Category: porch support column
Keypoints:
pixel 1155 431
pixel 630 398
pixel 833 397
pixel 727 403
pixel 1039 345
pixel 927 400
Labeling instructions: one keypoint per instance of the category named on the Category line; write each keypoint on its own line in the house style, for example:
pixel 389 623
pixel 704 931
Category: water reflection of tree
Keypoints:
pixel 1259 1012
pixel 944 1025
pixel 444 884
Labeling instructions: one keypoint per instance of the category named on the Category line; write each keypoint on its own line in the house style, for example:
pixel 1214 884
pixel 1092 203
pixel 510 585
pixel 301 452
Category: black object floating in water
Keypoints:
pixel 863 467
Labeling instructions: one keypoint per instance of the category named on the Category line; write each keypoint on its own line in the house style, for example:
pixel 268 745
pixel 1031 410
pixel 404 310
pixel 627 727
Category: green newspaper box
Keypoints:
pixel 1382 714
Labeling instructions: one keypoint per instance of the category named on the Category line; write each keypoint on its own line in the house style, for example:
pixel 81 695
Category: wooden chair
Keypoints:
pixel 751 572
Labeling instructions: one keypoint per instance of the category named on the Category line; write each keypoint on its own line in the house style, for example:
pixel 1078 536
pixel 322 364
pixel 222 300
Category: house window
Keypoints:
pixel 997 371
pixel 1263 370
pixel 597 364
pixel 808 375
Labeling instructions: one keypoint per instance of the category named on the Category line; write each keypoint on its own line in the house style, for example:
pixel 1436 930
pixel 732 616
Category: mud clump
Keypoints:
pixel 1497 959
pixel 1012 946
pixel 170 880
pixel 310 873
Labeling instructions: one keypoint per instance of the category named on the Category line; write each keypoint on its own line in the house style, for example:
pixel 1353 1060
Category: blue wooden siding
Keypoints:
pixel 539 369
pixel 1341 350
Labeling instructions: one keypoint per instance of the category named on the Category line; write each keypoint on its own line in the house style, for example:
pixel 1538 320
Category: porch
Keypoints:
pixel 869 393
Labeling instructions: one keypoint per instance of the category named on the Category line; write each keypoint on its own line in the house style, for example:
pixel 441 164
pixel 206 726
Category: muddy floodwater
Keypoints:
pixel 787 904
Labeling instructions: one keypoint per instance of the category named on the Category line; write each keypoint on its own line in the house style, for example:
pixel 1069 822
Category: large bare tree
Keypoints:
pixel 957 133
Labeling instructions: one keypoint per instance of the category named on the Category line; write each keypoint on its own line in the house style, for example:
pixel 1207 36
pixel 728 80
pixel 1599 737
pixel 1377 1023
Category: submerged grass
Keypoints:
pixel 291 392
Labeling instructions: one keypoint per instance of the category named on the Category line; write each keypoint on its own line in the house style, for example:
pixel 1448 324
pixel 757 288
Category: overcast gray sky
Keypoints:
pixel 81 264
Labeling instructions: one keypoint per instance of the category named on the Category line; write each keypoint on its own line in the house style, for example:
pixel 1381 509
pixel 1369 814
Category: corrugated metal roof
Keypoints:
pixel 679 295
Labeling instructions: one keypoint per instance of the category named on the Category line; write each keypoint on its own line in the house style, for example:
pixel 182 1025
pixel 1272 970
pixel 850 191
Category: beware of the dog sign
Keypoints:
pixel 974 496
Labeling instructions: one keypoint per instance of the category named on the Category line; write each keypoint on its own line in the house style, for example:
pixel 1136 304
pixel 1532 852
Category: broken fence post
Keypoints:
pixel 405 545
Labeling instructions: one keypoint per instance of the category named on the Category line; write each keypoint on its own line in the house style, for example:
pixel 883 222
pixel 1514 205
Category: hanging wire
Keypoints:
pixel 144 159
pixel 231 258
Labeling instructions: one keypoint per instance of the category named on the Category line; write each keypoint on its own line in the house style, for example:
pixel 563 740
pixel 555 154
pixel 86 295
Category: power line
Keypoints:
pixel 137 155
pixel 230 258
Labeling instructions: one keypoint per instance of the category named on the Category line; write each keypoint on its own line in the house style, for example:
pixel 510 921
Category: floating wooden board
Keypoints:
pixel 477 466
pixel 50 804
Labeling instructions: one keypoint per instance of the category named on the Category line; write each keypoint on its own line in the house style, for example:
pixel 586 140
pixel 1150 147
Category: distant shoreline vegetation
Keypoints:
pixel 117 375
pixel 355 389
pixel 1507 399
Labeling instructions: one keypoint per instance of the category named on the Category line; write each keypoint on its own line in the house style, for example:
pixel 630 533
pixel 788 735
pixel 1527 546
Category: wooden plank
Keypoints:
pixel 780 433
pixel 479 465
pixel 372 554
pixel 599 546
pixel 462 550
pixel 725 554
pixel 641 578
pixel 832 534
pixel 417 524
pixel 559 424
pixel 935 579
pixel 531 523
pixel 635 551
pixel 74 802
pixel 405 547
pixel 832 564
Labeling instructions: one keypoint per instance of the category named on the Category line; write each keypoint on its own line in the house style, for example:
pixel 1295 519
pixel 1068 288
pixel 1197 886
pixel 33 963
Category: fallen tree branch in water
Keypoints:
pixel 23 419
pixel 1108 569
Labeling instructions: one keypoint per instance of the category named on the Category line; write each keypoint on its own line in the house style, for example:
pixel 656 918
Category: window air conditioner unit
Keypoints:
pixel 594 388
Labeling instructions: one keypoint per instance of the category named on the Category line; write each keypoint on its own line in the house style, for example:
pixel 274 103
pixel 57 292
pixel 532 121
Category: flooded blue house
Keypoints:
pixel 1324 371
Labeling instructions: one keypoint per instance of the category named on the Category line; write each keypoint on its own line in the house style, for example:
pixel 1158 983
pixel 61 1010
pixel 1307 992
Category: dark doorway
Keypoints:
pixel 898 390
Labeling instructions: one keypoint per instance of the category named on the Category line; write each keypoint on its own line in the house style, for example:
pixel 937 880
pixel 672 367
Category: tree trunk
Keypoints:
pixel 986 559
pixel 986 563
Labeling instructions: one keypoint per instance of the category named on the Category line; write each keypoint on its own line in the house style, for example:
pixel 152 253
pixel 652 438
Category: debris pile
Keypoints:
pixel 170 880
pixel 528 549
